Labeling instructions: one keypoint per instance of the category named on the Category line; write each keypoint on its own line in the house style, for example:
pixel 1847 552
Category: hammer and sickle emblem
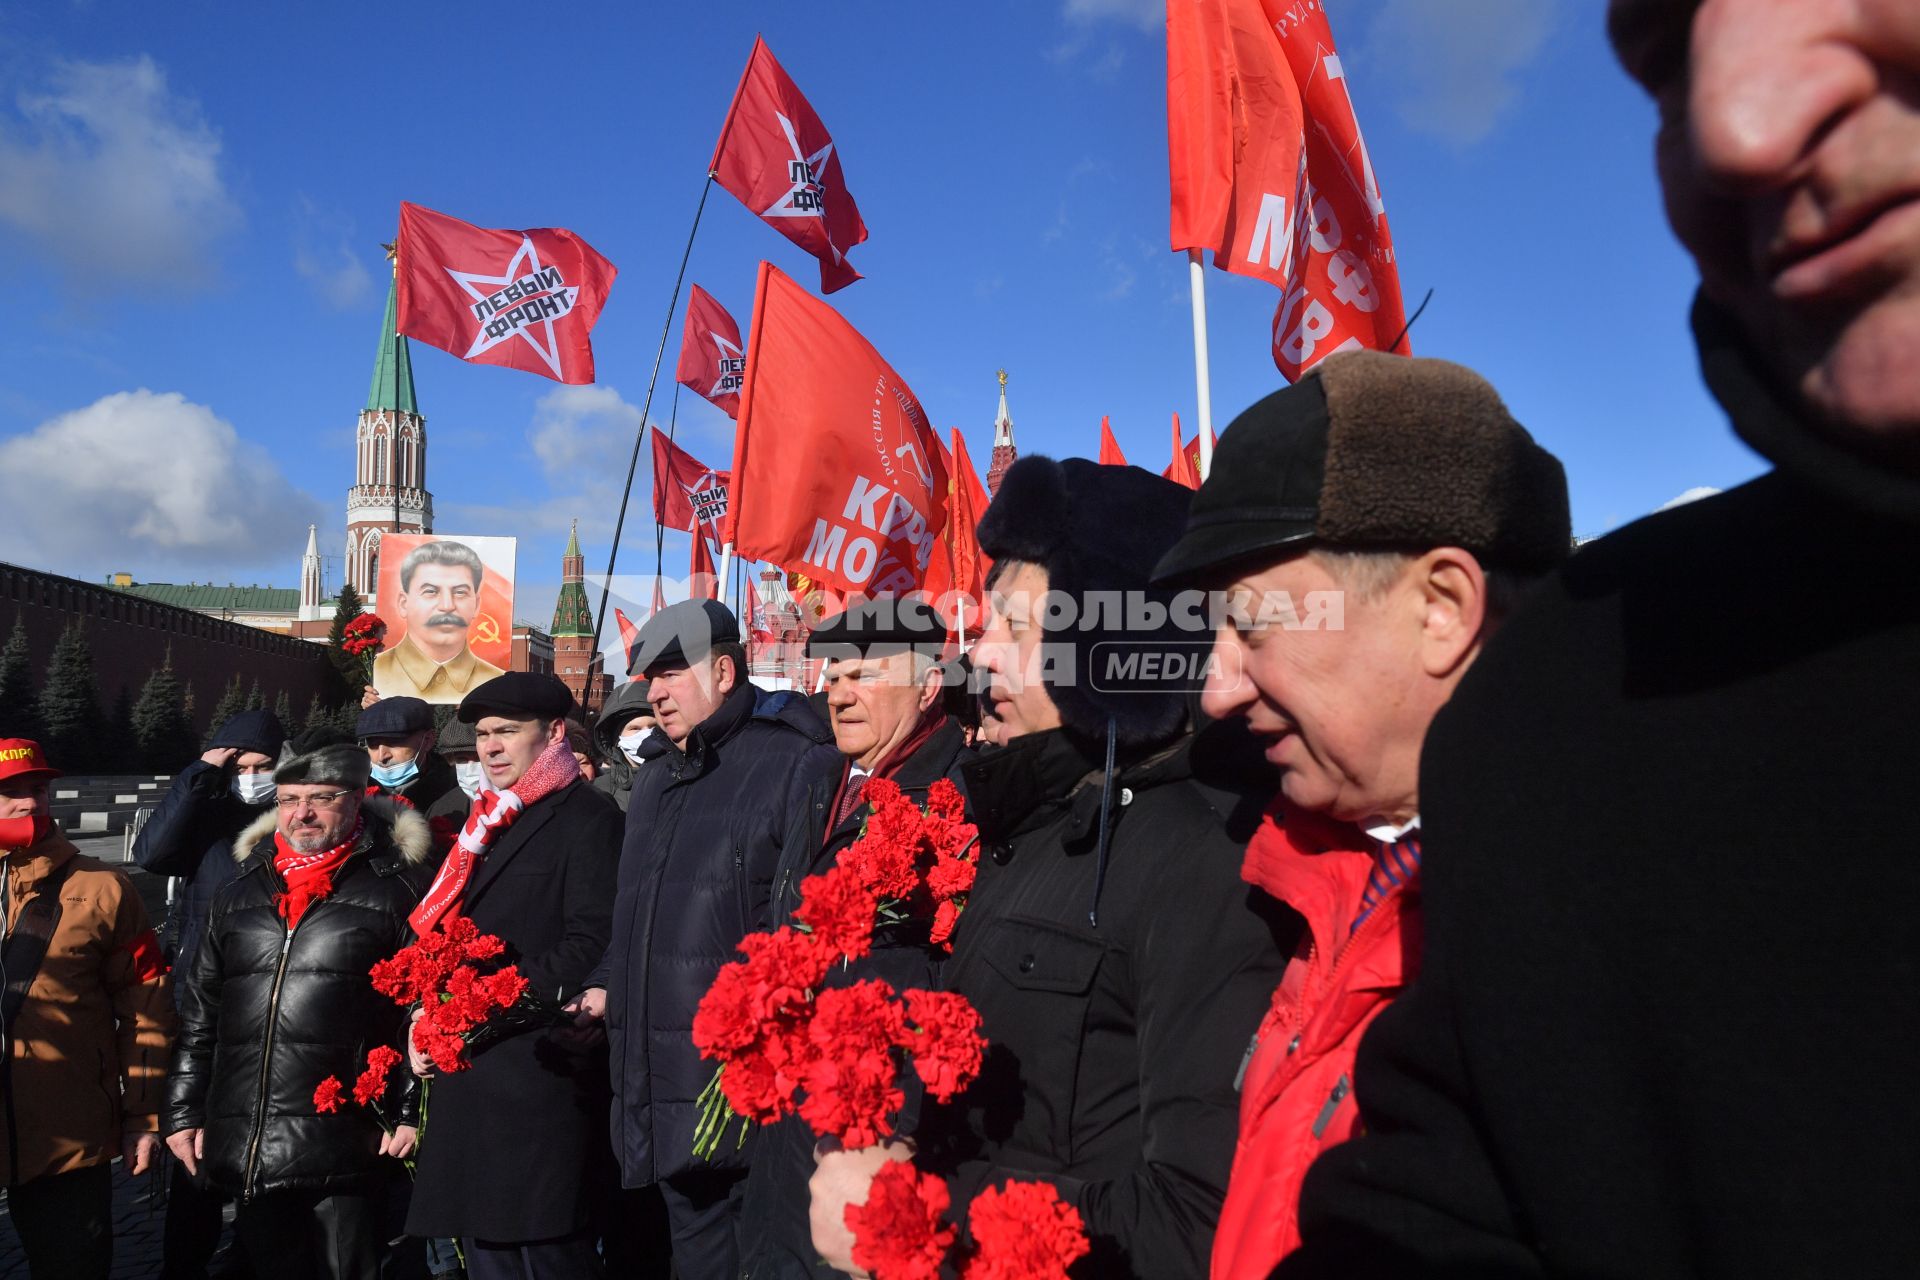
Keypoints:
pixel 485 629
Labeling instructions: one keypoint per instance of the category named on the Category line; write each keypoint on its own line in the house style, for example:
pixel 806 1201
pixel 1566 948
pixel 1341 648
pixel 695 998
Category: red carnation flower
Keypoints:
pixel 1024 1231
pixel 329 1096
pixel 898 1233
pixel 945 917
pixel 372 1084
pixel 945 1043
pixel 945 801
pixel 840 912
pixel 851 1085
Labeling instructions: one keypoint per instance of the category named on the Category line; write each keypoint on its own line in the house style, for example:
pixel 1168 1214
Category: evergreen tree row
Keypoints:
pixel 149 734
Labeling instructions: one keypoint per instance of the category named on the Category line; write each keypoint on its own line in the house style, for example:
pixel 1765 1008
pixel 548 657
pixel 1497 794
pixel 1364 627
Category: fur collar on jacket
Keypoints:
pixel 411 835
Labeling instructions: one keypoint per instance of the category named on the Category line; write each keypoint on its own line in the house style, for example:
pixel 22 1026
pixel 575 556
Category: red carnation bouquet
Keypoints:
pixel 362 639
pixel 916 862
pixel 462 1008
pixel 368 1089
pixel 785 1047
pixel 1021 1231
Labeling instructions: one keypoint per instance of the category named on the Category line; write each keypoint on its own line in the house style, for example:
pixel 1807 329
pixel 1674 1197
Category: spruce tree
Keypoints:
pixel 161 730
pixel 256 701
pixel 118 754
pixel 72 727
pixel 283 711
pixel 316 716
pixel 351 668
pixel 19 716
pixel 233 700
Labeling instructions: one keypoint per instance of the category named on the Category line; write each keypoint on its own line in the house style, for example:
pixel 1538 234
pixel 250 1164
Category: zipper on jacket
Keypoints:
pixel 266 1064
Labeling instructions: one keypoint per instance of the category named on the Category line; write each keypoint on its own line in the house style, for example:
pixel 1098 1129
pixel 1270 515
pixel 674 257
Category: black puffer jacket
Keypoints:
pixel 706 828
pixel 1114 1046
pixel 286 1010
pixel 190 836
pixel 776 1240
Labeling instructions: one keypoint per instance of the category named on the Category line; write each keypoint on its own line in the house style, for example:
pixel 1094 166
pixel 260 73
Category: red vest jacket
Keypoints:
pixel 1296 1098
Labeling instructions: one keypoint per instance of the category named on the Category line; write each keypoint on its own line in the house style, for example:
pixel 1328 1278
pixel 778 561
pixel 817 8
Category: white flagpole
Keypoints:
pixel 1203 378
pixel 726 562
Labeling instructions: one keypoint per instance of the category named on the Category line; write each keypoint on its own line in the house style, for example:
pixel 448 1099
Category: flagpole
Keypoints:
pixel 1203 378
pixel 640 437
pixel 726 562
pixel 660 530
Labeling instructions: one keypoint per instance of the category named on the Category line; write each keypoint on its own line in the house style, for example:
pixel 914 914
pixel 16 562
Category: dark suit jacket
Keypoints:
pixel 512 1145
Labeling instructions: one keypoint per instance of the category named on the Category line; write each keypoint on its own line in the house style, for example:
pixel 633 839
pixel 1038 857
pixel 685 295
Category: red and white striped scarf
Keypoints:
pixel 492 813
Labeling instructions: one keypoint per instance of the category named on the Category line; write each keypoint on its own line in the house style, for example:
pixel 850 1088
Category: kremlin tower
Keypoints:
pixel 389 491
pixel 1003 451
pixel 573 633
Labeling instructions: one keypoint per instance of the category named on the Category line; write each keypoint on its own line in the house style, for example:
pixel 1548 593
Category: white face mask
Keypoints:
pixel 630 746
pixel 471 777
pixel 252 788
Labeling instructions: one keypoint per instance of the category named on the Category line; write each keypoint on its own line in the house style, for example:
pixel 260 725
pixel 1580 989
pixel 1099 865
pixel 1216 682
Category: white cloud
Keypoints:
pixel 1692 495
pixel 151 483
pixel 116 177
pixel 323 254
pixel 1452 68
pixel 1148 15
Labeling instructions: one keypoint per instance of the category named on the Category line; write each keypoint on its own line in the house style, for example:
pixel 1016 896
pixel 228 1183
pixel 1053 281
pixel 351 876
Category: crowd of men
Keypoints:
pixel 1487 910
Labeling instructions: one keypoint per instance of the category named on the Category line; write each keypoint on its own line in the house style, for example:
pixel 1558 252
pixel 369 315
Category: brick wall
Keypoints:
pixel 130 637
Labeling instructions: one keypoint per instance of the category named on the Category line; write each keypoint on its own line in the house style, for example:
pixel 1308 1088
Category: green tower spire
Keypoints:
pixel 392 366
pixel 571 615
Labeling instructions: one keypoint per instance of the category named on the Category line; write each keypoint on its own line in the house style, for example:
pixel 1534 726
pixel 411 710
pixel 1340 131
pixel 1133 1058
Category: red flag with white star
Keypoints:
pixel 777 159
pixel 523 299
pixel 712 359
pixel 685 489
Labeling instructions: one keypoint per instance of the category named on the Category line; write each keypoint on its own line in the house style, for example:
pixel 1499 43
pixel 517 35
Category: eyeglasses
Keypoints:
pixel 320 800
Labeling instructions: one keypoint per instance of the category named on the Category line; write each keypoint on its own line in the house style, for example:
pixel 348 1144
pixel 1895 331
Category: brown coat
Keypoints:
pixel 87 1056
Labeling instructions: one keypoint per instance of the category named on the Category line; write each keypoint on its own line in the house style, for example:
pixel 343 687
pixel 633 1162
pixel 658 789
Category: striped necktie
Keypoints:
pixel 1394 864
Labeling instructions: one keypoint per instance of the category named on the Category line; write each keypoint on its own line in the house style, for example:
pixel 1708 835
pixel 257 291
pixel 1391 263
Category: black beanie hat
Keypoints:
pixel 259 731
pixel 1100 530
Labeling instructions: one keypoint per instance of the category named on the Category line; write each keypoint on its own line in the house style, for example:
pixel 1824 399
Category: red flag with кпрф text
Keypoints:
pixel 523 299
pixel 1270 172
pixel 777 159
pixel 712 361
pixel 837 473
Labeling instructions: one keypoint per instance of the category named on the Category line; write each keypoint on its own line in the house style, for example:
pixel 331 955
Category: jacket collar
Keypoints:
pixel 27 867
pixel 1768 419
pixel 732 715
pixel 931 759
pixel 1010 788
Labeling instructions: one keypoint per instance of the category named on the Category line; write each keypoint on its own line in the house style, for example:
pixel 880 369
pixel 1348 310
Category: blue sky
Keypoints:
pixel 192 197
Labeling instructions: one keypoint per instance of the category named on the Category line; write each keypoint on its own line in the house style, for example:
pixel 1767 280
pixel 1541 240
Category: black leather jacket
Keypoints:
pixel 270 1013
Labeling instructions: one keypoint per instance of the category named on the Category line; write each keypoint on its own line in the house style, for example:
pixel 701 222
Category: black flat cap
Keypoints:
pixel 394 718
pixel 887 623
pixel 682 634
pixel 1372 451
pixel 515 695
pixel 456 738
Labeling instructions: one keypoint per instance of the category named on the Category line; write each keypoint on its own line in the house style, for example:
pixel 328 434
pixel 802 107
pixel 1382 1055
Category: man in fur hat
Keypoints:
pixel 279 1002
pixel 1117 960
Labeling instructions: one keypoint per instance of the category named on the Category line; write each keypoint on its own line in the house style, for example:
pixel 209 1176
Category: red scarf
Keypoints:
pixel 309 876
pixel 846 801
pixel 490 816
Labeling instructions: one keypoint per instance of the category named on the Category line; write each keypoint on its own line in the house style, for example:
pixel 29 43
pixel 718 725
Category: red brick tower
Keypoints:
pixel 1003 451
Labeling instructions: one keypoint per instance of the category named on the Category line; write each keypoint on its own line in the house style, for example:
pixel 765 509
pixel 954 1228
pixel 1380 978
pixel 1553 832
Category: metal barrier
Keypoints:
pixel 137 821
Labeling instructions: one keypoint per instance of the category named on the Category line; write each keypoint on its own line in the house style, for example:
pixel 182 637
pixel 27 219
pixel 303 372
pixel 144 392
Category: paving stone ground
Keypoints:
pixel 139 1204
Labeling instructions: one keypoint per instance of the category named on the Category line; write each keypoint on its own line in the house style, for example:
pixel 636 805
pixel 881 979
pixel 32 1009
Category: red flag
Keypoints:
pixel 838 474
pixel 1110 455
pixel 711 357
pixel 968 501
pixel 759 626
pixel 686 490
pixel 701 579
pixel 776 157
pixel 523 299
pixel 1185 467
pixel 628 633
pixel 1270 172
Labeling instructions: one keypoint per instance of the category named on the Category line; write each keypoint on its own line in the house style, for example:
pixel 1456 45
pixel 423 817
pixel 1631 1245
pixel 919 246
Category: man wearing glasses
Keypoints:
pixel 279 1001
